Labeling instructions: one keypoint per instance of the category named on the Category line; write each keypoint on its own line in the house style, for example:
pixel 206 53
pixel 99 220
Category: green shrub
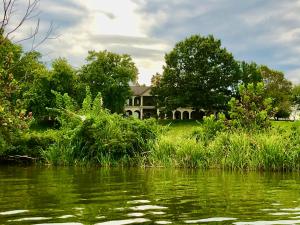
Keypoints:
pixel 94 135
pixel 253 109
pixel 209 128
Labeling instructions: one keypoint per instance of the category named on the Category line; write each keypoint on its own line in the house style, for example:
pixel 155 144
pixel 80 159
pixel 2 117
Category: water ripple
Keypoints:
pixel 277 222
pixel 124 222
pixel 214 219
pixel 13 212
pixel 147 207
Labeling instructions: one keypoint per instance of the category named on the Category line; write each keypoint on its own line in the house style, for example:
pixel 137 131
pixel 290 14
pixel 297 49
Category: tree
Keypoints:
pixel 155 80
pixel 63 77
pixel 253 109
pixel 12 114
pixel 110 74
pixel 296 95
pixel 250 73
pixel 279 89
pixel 60 78
pixel 198 73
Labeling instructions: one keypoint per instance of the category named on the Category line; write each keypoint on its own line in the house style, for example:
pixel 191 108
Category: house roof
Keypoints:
pixel 139 90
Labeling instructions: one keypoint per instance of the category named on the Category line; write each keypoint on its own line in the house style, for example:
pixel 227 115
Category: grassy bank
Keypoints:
pixel 277 148
pixel 114 141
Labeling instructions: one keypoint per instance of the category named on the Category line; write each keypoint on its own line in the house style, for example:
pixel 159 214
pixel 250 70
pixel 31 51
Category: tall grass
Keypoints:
pixel 271 149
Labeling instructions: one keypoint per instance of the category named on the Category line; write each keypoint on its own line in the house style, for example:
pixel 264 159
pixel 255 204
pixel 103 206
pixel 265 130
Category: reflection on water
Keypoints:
pixel 75 196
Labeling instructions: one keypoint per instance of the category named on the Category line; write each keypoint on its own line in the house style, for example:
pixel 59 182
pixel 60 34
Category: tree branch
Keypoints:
pixel 9 9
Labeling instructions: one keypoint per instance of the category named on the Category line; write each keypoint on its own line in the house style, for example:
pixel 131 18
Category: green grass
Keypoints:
pixel 179 128
pixel 285 124
pixel 275 149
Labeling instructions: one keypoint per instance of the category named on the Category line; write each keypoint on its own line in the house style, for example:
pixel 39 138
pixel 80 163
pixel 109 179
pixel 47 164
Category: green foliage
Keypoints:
pixel 296 95
pixel 61 78
pixel 13 118
pixel 210 127
pixel 92 135
pixel 87 102
pixel 110 74
pixel 169 151
pixel 253 109
pixel 198 73
pixel 275 149
pixel 250 73
pixel 279 89
pixel 13 124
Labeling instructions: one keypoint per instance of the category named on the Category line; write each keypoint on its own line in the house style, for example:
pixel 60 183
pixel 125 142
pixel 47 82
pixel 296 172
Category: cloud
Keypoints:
pixel 108 14
pixel 266 32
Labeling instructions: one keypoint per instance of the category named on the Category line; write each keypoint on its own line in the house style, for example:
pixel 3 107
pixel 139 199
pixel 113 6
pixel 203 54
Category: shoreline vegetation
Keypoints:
pixel 64 116
pixel 176 144
pixel 91 135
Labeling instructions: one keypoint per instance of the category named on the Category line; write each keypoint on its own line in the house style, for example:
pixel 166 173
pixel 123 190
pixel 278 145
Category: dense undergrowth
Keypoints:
pixel 275 148
pixel 111 140
pixel 92 135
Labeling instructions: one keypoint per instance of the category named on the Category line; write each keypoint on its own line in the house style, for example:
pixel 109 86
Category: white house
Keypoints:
pixel 142 105
pixel 295 114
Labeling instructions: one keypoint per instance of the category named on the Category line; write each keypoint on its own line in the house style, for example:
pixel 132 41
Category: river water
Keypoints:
pixel 75 196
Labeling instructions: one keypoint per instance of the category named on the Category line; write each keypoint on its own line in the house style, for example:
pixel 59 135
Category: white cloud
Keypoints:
pixel 113 25
pixel 264 31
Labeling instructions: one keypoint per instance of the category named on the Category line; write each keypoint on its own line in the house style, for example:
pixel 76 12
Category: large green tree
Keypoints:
pixel 250 73
pixel 279 89
pixel 60 78
pixel 198 73
pixel 110 74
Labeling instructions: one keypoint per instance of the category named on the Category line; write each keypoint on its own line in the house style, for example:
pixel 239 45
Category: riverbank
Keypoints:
pixel 277 148
pixel 178 144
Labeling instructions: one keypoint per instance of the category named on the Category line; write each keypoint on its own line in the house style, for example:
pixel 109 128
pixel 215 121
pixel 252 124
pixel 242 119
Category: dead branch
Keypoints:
pixel 7 30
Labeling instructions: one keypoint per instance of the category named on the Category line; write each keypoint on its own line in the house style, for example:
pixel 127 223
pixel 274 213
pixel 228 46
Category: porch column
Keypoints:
pixel 141 113
pixel 157 112
pixel 190 115
pixel 133 97
pixel 181 115
pixel 173 112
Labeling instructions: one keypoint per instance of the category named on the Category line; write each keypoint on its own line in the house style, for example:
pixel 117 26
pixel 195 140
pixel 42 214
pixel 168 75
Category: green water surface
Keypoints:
pixel 67 196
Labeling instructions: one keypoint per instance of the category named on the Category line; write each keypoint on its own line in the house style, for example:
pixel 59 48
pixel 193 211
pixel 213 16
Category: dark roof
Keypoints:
pixel 139 90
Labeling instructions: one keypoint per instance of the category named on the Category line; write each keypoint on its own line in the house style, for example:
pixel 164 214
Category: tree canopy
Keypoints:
pixel 250 73
pixel 198 73
pixel 296 95
pixel 110 74
pixel 279 89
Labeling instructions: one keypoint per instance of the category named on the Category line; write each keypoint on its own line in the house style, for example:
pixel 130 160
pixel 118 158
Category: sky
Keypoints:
pixel 263 31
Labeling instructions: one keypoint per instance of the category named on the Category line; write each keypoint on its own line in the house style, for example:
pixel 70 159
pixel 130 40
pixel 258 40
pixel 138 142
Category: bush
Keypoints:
pixel 92 134
pixel 253 109
pixel 209 128
pixel 31 143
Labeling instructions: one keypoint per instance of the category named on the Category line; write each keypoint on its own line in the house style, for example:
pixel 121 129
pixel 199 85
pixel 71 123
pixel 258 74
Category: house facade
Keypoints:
pixel 142 105
pixel 295 114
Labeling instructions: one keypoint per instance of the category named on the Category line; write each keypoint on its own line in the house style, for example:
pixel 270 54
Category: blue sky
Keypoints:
pixel 263 31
